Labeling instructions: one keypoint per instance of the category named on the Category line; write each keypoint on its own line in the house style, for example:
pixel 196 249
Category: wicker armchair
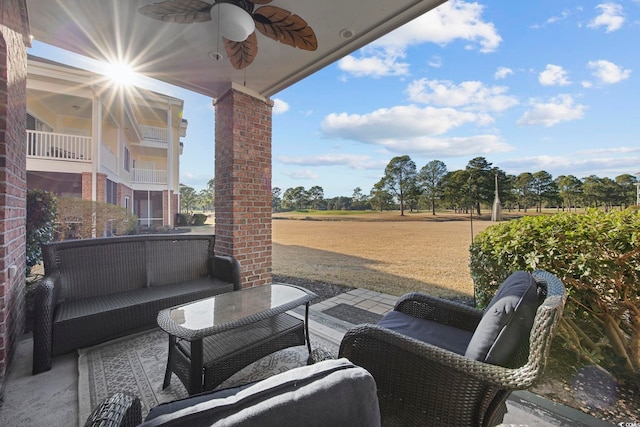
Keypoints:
pixel 420 384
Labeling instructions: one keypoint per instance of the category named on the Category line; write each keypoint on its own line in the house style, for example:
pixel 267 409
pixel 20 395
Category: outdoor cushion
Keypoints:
pixel 328 393
pixel 443 336
pixel 507 321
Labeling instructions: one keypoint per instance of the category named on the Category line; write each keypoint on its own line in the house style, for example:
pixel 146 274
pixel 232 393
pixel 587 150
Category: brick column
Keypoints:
pixel 101 189
pixel 13 177
pixel 243 183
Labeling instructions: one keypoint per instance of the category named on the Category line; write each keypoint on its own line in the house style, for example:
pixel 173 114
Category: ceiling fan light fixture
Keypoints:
pixel 234 23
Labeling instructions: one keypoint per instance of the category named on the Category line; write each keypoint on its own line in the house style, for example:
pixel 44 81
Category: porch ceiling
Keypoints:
pixel 179 53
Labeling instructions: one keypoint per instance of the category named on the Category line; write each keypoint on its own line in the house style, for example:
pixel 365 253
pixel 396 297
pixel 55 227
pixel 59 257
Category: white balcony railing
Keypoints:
pixel 58 146
pixel 149 176
pixel 154 133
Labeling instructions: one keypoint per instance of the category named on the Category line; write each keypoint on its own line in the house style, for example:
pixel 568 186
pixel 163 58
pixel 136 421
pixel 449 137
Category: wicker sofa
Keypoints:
pixel 95 290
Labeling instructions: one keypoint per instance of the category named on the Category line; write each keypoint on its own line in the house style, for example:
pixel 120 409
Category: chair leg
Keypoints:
pixel 167 372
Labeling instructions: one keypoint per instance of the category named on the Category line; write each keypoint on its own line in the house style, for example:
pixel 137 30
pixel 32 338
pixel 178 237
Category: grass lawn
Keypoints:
pixel 378 251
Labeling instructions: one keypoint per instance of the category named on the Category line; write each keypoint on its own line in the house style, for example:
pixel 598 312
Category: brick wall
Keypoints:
pixel 13 177
pixel 123 192
pixel 168 217
pixel 87 189
pixel 243 184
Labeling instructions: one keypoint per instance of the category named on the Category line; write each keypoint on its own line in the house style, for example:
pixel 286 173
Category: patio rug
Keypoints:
pixel 137 363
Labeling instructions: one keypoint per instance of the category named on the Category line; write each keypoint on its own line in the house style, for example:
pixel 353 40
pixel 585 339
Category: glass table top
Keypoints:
pixel 231 307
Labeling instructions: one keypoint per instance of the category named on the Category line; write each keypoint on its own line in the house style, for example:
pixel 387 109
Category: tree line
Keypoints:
pixel 433 187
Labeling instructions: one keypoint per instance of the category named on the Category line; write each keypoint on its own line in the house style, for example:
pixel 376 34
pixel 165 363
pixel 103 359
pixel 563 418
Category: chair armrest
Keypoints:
pixel 227 268
pixel 45 297
pixel 119 410
pixel 439 310
pixel 397 360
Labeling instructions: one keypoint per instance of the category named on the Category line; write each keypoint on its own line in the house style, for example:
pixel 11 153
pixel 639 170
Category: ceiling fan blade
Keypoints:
pixel 242 54
pixel 285 27
pixel 179 11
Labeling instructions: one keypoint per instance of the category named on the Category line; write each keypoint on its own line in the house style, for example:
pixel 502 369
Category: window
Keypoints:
pixel 33 123
pixel 112 192
pixel 127 200
pixel 127 160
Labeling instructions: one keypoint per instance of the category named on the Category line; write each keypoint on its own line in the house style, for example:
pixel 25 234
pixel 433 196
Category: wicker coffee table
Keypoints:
pixel 213 338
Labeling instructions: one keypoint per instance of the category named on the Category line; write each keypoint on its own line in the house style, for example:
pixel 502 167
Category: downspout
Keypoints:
pixel 169 163
pixel 97 141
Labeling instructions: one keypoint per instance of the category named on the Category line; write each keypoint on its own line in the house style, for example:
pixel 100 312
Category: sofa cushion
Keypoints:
pixel 174 261
pixel 329 393
pixel 89 321
pixel 507 321
pixel 443 336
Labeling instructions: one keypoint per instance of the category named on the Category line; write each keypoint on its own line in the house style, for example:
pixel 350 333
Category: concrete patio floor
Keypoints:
pixel 51 398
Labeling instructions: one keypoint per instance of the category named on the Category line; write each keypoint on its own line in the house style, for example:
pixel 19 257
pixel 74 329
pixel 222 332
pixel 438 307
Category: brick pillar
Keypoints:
pixel 243 183
pixel 87 188
pixel 13 177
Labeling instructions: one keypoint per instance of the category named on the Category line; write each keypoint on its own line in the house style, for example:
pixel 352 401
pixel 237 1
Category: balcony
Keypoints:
pixel 148 176
pixel 152 133
pixel 58 146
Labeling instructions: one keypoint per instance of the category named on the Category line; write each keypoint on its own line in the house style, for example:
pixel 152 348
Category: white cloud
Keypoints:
pixel 279 106
pixel 564 15
pixel 502 73
pixel 375 63
pixel 572 164
pixel 415 131
pixel 453 20
pixel 398 122
pixel 353 161
pixel 302 174
pixel 611 17
pixel 586 84
pixel 561 108
pixel 470 95
pixel 608 72
pixel 553 75
pixel 435 61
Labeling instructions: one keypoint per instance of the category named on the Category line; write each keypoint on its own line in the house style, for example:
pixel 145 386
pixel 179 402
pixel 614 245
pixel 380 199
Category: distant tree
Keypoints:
pixel 523 187
pixel 543 188
pixel 627 189
pixel 592 191
pixel 399 177
pixel 188 198
pixel 481 182
pixel 358 199
pixel 276 201
pixel 295 198
pixel 455 190
pixel 570 190
pixel 207 195
pixel 430 180
pixel 315 196
pixel 379 197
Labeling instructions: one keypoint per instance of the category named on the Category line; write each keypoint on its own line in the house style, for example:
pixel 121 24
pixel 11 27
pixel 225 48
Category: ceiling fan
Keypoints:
pixel 236 21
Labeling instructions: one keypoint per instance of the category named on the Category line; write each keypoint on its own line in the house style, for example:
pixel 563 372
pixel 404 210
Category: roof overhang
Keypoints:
pixel 182 54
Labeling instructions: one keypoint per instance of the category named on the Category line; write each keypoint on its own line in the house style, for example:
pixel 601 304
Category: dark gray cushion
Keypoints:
pixel 507 321
pixel 329 393
pixel 443 336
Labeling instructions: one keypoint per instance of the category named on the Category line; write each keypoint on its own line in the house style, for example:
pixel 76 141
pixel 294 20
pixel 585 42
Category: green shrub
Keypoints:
pixel 41 216
pixel 75 219
pixel 182 219
pixel 198 219
pixel 596 255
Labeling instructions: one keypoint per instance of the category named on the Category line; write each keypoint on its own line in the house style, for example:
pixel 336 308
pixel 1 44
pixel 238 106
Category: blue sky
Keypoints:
pixel 539 85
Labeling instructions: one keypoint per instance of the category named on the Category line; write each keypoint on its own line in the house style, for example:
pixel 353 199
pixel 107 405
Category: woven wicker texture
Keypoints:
pixel 420 384
pixel 95 290
pixel 119 410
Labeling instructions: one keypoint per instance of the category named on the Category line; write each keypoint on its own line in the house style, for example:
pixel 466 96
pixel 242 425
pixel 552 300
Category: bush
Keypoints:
pixel 41 216
pixel 198 219
pixel 75 219
pixel 182 220
pixel 596 255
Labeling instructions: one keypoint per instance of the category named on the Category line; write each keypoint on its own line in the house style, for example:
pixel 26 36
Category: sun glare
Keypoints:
pixel 121 73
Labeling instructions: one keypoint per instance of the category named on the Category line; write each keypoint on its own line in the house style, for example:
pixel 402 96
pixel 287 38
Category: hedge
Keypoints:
pixel 596 255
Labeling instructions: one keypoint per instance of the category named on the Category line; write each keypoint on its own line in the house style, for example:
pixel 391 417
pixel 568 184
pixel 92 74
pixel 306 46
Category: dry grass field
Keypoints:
pixel 382 252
